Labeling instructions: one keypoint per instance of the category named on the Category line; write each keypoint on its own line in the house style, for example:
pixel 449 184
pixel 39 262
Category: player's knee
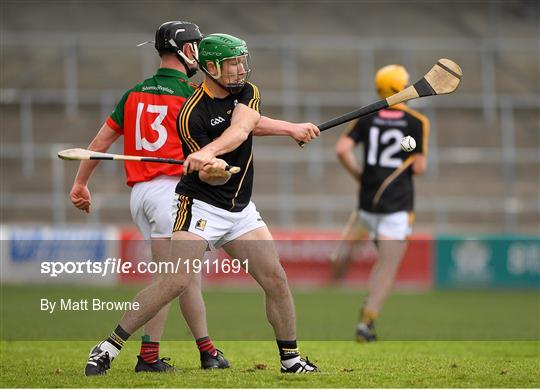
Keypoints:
pixel 173 286
pixel 195 284
pixel 276 281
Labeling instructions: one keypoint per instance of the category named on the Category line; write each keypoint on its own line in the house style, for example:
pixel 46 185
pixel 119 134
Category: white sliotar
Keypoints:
pixel 408 144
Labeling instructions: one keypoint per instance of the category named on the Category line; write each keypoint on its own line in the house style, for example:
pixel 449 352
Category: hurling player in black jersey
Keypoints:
pixel 214 207
pixel 386 185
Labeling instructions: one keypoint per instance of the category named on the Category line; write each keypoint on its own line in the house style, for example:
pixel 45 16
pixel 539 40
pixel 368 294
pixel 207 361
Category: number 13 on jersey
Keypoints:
pixel 141 142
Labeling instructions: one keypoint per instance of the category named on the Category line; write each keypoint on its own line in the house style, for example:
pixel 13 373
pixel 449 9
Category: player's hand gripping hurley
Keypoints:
pixel 443 78
pixel 84 154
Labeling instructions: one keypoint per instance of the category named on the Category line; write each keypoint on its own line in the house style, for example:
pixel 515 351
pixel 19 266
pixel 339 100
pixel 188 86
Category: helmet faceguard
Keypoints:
pixel 233 73
pixel 231 60
pixel 172 36
pixel 390 80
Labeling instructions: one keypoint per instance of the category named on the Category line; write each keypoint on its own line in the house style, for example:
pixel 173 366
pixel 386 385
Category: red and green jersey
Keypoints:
pixel 146 117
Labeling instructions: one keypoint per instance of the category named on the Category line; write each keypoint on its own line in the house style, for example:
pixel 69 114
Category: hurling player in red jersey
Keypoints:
pixel 146 117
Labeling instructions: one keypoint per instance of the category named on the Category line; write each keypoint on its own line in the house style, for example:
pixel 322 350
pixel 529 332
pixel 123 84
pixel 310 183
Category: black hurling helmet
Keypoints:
pixel 171 37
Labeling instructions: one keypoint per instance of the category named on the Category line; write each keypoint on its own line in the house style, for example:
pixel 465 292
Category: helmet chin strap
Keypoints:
pixel 190 72
pixel 184 60
pixel 224 87
pixel 232 89
pixel 235 88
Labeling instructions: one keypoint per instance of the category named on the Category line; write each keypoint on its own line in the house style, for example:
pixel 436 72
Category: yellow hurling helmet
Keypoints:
pixel 390 80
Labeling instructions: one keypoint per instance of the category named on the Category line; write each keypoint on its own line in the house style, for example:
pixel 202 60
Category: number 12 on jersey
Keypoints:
pixel 389 141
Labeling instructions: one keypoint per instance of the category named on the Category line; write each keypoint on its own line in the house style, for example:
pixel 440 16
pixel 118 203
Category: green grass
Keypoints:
pixel 342 364
pixel 431 339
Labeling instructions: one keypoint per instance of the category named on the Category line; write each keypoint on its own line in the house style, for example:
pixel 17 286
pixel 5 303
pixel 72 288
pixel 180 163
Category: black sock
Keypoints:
pixel 118 337
pixel 287 349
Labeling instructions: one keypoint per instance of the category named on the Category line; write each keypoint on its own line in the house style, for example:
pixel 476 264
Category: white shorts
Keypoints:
pixel 150 206
pixel 215 225
pixel 392 225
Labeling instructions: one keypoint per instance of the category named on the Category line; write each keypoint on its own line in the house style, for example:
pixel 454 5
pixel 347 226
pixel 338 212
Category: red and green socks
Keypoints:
pixel 149 350
pixel 205 345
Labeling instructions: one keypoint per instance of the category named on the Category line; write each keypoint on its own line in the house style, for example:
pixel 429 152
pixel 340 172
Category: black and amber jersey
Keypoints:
pixel 202 119
pixel 382 189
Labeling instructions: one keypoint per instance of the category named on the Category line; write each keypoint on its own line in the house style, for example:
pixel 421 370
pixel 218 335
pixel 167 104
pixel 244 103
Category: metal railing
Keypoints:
pixel 286 204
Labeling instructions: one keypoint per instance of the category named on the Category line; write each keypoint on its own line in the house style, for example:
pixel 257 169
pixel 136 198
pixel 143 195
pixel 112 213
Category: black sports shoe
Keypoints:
pixel 366 333
pixel 218 361
pixel 159 365
pixel 98 362
pixel 303 366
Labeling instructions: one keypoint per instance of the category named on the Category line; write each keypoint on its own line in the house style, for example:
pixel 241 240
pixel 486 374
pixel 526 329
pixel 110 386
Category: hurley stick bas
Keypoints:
pixel 85 154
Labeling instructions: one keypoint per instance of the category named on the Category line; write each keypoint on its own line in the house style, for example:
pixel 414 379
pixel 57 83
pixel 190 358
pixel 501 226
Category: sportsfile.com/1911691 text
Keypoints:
pixel 113 265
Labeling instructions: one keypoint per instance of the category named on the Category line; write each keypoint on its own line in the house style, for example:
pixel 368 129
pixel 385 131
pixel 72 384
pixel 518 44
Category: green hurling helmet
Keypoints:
pixel 218 48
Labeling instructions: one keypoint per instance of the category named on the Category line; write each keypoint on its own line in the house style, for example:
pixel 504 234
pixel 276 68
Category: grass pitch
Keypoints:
pixel 430 339
pixel 255 364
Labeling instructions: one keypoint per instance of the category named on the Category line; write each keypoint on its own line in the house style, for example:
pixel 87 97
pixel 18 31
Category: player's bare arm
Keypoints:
pixel 214 173
pixel 419 164
pixel 243 121
pixel 80 194
pixel 345 153
pixel 304 132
